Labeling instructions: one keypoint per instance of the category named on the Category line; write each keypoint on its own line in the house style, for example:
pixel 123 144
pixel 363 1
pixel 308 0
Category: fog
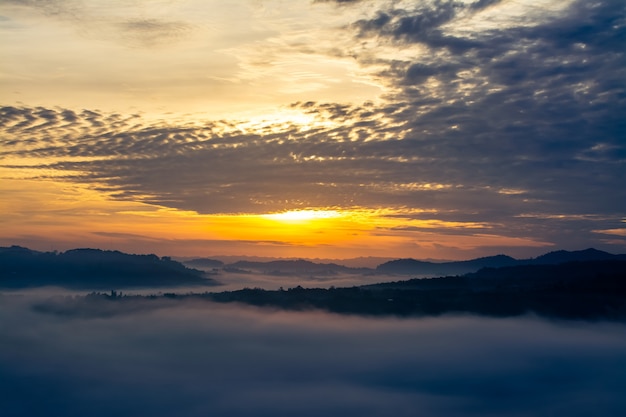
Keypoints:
pixel 195 358
pixel 230 281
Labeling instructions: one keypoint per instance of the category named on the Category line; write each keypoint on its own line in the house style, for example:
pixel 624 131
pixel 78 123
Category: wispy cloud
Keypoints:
pixel 134 24
pixel 479 122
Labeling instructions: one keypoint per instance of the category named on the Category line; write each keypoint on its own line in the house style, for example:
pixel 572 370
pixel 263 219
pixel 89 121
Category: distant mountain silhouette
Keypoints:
pixel 523 277
pixel 414 267
pixel 591 290
pixel 358 262
pixel 92 269
pixel 301 267
pixel 586 290
pixel 562 256
pixel 295 267
pixel 98 269
pixel 204 263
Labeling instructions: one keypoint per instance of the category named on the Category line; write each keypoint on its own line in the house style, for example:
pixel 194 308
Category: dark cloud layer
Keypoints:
pixel 520 126
pixel 191 359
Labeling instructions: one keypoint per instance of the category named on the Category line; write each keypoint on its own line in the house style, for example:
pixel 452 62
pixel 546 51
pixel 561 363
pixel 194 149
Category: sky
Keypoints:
pixel 313 128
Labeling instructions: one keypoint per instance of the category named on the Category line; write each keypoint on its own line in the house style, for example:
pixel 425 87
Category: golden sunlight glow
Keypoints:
pixel 65 216
pixel 277 121
pixel 303 215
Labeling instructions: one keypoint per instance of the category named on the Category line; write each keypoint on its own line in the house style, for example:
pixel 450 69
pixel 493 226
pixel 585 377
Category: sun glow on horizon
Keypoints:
pixel 98 219
pixel 275 121
pixel 303 215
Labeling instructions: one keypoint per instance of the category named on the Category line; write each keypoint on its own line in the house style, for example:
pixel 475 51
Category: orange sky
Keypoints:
pixel 417 129
pixel 50 215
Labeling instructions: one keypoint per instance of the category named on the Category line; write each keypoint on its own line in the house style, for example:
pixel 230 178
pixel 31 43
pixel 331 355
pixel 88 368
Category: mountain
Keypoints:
pixel 204 263
pixel 562 256
pixel 582 290
pixel 433 268
pixel 414 267
pixel 590 275
pixel 359 262
pixel 593 274
pixel 296 267
pixel 98 269
pixel 92 269
pixel 587 290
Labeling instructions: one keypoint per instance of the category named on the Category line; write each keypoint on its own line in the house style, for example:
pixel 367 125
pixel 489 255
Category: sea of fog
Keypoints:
pixel 173 357
pixel 230 281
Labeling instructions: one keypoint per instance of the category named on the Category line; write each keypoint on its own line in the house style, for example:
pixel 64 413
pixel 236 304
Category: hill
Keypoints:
pixel 592 290
pixel 296 267
pixel 562 256
pixel 418 268
pixel 203 263
pixel 92 269
pixel 415 267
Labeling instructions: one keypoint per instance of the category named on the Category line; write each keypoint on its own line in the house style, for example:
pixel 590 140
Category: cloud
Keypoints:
pixel 196 358
pixel 423 24
pixel 357 161
pixel 339 2
pixel 148 32
pixel 133 25
pixel 534 103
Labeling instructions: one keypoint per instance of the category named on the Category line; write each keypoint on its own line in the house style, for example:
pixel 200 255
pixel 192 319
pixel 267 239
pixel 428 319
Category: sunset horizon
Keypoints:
pixel 313 129
pixel 253 208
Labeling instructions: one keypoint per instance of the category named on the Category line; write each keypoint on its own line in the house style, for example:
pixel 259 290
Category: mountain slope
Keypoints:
pixel 562 256
pixel 92 268
pixel 591 290
pixel 414 267
pixel 297 267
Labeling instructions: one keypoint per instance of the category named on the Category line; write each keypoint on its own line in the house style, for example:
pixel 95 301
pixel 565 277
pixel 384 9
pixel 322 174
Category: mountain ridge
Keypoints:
pixel 92 268
pixel 580 290
pixel 411 266
pixel 95 268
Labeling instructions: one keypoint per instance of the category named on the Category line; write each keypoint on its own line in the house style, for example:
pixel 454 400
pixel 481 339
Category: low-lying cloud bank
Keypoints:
pixel 197 358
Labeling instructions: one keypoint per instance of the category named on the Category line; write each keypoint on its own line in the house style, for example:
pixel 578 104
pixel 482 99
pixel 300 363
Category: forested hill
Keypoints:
pixel 576 290
pixel 92 269
pixel 592 290
pixel 415 267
